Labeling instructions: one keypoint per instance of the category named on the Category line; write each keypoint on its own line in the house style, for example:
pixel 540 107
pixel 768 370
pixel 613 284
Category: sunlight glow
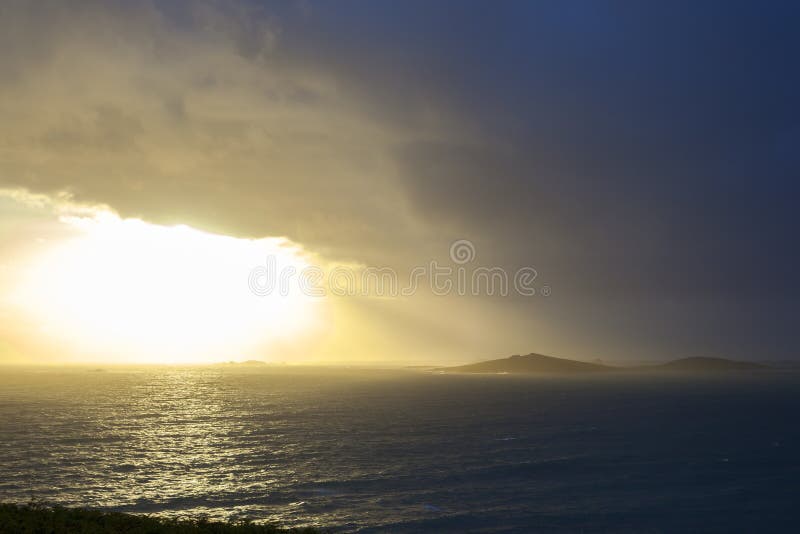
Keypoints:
pixel 128 291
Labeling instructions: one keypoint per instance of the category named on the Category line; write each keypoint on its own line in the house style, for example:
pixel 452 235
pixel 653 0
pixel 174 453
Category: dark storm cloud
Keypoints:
pixel 652 141
pixel 644 155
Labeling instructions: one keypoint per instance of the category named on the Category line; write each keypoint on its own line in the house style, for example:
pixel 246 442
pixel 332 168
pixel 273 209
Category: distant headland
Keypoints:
pixel 541 364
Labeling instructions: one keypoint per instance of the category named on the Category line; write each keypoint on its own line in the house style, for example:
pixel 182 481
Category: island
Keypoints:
pixel 548 365
pixel 530 363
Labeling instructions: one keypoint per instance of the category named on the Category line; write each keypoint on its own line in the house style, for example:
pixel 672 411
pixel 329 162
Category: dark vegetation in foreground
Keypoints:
pixel 41 519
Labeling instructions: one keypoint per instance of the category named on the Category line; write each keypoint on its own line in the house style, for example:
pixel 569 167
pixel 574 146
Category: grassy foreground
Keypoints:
pixel 40 519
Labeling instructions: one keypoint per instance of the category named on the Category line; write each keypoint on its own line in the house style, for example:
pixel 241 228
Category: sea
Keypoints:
pixel 408 450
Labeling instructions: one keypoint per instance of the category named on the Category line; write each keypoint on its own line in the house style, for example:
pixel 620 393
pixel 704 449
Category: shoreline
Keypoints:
pixel 38 517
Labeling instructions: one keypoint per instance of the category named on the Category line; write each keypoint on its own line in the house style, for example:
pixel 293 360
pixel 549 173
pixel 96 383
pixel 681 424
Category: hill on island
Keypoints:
pixel 702 364
pixel 530 363
pixel 541 364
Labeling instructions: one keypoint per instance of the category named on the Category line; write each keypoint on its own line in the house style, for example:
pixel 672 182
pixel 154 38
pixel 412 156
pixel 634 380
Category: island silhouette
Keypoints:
pixel 540 364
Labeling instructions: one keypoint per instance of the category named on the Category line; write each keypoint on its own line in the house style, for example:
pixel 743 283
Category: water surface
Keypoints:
pixel 404 451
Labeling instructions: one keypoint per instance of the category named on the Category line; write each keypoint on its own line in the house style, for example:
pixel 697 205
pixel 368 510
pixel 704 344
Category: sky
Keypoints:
pixel 642 157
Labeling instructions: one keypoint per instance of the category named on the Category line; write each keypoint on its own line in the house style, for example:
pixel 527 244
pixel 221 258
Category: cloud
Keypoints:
pixel 197 116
